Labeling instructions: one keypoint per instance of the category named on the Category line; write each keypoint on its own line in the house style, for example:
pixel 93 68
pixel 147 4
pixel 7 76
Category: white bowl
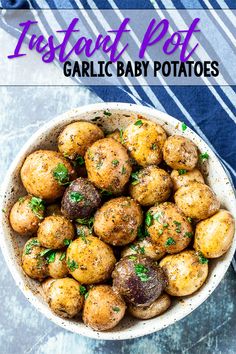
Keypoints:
pixel 12 244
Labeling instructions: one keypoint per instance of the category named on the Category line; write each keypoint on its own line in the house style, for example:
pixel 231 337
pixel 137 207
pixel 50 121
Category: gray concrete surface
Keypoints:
pixel 210 329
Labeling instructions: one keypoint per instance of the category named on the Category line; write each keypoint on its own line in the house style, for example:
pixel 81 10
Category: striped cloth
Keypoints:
pixel 209 110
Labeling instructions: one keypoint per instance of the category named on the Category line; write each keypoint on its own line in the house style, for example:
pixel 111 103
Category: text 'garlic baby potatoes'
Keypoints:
pixel 118 220
pixel 144 140
pixel 108 166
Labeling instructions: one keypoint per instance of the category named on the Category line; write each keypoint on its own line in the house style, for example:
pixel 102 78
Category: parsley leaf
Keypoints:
pixel 116 309
pixel 135 179
pixel 188 234
pixel 184 126
pixel 123 171
pixel 115 162
pixel 107 113
pixel 154 147
pixel 61 174
pixel 79 161
pixel 202 259
pixel 141 272
pixel 121 136
pixel 138 123
pixel 37 206
pixel 148 219
pixel 86 221
pixel 75 197
pixel 182 172
pixel 170 241
pixel 82 290
pixel 30 245
pixel 67 242
pixel 62 256
pixel 204 156
pixel 72 265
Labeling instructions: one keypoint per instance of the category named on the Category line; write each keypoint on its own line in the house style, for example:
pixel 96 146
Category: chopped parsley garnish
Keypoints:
pixel 165 225
pixel 79 161
pixel 135 179
pixel 61 174
pixel 72 265
pixel 142 233
pixel 75 197
pixel 86 221
pixel 116 309
pixel 170 241
pixel 190 220
pixel 107 113
pixel 184 126
pixel 81 233
pixel 21 200
pixel 82 290
pixel 160 231
pixel 123 171
pixel 95 119
pixel 202 259
pixel 67 242
pixel 132 258
pixel 178 226
pixel 148 219
pixel 156 216
pixel 49 254
pixel 188 234
pixel 154 147
pixel 37 205
pixel 86 295
pixel 30 245
pixel 115 162
pixel 137 249
pixel 204 156
pixel 121 136
pixel 105 193
pixel 141 272
pixel 138 123
pixel 142 250
pixel 62 256
pixel 182 172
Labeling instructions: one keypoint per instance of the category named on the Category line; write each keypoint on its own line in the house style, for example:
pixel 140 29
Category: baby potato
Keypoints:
pixel 26 214
pixel 151 185
pixel 80 199
pixel 168 228
pixel 33 262
pixel 186 272
pixel 46 286
pixel 183 177
pixel 180 153
pixel 197 200
pixel 90 260
pixel 45 173
pixel 64 297
pixel 103 308
pixel 115 135
pixel 145 247
pixel 57 268
pixel 213 236
pixel 157 308
pixel 118 220
pixel 138 279
pixel 108 165
pixel 77 137
pixel 54 231
pixel 144 140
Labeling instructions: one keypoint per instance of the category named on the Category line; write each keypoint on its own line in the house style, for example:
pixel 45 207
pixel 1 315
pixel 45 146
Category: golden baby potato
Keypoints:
pixel 186 272
pixel 34 263
pixel 103 308
pixel 90 260
pixel 45 173
pixel 57 268
pixel 77 137
pixel 180 153
pixel 118 220
pixel 26 214
pixel 214 236
pixel 64 297
pixel 157 308
pixel 183 177
pixel 150 185
pixel 108 166
pixel 145 247
pixel 168 227
pixel 144 140
pixel 55 231
pixel 197 200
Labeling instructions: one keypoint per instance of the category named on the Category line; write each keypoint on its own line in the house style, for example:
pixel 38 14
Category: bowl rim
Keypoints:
pixel 108 335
